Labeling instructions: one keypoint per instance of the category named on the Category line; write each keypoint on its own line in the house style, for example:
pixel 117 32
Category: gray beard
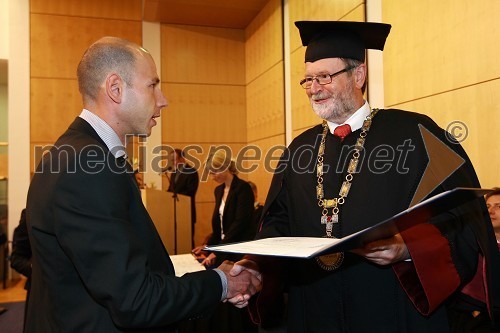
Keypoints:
pixel 338 109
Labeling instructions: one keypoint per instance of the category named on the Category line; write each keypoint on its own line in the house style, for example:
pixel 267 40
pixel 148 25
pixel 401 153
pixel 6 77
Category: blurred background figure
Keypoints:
pixel 20 259
pixel 184 180
pixel 493 204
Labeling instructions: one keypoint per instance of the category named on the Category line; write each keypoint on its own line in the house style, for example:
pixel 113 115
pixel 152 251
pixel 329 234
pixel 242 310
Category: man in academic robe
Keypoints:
pixel 360 167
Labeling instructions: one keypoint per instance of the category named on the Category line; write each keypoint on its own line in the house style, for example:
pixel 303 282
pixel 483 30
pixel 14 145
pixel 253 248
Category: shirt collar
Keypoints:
pixel 105 132
pixel 355 120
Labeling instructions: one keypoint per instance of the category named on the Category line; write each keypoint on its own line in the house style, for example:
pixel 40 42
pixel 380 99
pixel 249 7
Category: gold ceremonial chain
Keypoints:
pixel 333 261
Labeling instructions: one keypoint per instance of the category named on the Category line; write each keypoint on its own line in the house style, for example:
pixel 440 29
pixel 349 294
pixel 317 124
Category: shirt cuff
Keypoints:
pixel 223 279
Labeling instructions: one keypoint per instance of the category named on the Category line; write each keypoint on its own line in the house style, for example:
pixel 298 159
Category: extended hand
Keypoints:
pixel 246 272
pixel 210 260
pixel 385 251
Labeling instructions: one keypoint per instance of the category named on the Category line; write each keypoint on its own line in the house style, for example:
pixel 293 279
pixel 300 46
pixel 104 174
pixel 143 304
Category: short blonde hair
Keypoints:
pixel 221 161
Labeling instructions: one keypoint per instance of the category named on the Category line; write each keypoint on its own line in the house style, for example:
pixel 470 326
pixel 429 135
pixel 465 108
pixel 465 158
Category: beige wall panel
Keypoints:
pixel 264 41
pixel 204 113
pixel 4 172
pixel 265 104
pixel 344 10
pixel 428 52
pixel 110 9
pixel 54 105
pixel 303 115
pixel 203 225
pixel 471 115
pixel 58 42
pixel 202 55
pixel 271 149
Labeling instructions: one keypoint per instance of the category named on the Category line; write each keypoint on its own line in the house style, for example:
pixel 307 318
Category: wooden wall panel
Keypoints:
pixel 264 41
pixel 60 32
pixel 471 115
pixel 265 104
pixel 445 66
pixel 345 10
pixel 203 78
pixel 58 42
pixel 192 54
pixel 428 52
pixel 271 149
pixel 204 113
pixel 54 105
pixel 265 92
pixel 303 116
pixel 109 9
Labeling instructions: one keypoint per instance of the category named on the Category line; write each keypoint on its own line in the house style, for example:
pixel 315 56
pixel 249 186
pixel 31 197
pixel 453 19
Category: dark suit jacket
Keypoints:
pixel 237 219
pixel 98 262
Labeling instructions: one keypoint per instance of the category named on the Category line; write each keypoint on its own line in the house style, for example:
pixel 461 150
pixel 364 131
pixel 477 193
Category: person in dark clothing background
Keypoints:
pixel 20 259
pixel 184 180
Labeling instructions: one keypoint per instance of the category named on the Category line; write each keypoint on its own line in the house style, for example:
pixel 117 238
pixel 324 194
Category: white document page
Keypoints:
pixel 186 263
pixel 298 247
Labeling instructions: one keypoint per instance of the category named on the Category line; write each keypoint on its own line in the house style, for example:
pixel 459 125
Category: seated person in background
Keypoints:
pixel 468 315
pixel 493 205
pixel 257 206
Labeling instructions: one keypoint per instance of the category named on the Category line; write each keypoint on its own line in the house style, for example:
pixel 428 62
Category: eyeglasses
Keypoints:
pixel 322 78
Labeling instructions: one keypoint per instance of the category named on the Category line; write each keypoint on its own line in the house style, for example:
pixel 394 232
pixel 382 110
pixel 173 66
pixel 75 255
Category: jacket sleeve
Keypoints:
pixel 20 259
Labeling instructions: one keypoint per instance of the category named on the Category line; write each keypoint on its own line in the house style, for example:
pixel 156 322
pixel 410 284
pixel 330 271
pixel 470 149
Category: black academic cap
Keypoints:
pixel 341 39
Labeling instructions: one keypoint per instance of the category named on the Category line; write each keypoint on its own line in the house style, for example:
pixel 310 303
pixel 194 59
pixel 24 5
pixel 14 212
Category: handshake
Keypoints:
pixel 243 281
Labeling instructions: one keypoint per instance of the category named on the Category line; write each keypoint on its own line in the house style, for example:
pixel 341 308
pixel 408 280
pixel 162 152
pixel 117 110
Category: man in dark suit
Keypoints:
pixel 98 262
pixel 184 180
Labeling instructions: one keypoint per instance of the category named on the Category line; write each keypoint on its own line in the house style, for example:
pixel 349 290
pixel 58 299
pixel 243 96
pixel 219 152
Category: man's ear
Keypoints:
pixel 360 75
pixel 114 87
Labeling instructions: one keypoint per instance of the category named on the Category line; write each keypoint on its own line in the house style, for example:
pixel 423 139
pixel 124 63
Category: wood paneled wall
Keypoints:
pixel 446 66
pixel 303 116
pixel 203 78
pixel 265 92
pixel 61 30
pixel 225 86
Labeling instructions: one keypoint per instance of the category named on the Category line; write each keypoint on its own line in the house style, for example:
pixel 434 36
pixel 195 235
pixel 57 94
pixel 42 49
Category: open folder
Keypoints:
pixel 308 247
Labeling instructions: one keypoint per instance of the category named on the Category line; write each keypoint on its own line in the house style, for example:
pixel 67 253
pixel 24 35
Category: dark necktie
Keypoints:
pixel 342 131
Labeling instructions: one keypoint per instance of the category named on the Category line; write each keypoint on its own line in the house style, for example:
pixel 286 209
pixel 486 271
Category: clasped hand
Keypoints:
pixel 244 281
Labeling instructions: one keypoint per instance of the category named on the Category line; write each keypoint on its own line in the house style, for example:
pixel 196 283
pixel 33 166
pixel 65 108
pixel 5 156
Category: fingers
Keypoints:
pixel 385 251
pixel 242 282
pixel 239 301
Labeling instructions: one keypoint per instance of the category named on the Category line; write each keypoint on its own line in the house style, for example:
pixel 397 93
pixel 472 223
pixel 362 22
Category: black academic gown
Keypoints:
pixel 362 296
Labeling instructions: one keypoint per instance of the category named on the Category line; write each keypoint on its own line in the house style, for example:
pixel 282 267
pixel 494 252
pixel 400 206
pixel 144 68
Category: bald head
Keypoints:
pixel 107 55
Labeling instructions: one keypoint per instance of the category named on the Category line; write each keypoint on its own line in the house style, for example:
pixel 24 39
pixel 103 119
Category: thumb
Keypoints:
pixel 236 269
